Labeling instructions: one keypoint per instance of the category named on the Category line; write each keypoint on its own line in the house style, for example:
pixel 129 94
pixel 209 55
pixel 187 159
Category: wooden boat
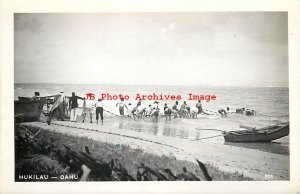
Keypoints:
pixel 265 134
pixel 27 110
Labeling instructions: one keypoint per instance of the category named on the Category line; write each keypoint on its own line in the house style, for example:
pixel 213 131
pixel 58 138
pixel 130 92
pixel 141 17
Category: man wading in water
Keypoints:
pixel 121 106
pixel 223 112
pixel 199 106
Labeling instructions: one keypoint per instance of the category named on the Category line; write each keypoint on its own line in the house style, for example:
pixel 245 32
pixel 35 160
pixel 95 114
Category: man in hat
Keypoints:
pixel 184 109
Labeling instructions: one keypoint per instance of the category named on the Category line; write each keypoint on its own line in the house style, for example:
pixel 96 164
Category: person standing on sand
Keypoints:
pixel 121 106
pixel 87 109
pixel 99 110
pixel 73 104
pixel 65 105
pixel 57 106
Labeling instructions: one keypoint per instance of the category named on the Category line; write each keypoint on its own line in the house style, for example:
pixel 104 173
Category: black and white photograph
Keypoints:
pixel 149 97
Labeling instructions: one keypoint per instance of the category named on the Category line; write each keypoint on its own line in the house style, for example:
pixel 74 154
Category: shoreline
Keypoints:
pixel 251 163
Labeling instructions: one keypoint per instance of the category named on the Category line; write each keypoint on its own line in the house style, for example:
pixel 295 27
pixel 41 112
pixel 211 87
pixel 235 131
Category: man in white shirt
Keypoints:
pixel 194 112
pixel 88 109
pixel 121 106
pixel 129 109
pixel 148 110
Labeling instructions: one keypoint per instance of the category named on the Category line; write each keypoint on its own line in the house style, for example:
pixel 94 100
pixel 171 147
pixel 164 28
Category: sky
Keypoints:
pixel 196 48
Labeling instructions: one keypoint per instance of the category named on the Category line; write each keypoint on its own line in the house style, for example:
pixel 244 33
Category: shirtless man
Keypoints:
pixel 199 106
pixel 167 112
pixel 250 112
pixel 185 109
pixel 175 109
pixel 223 112
pixel 155 113
pixel 240 110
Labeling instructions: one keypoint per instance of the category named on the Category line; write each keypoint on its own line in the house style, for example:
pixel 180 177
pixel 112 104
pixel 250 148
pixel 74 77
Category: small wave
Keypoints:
pixel 272 120
pixel 283 115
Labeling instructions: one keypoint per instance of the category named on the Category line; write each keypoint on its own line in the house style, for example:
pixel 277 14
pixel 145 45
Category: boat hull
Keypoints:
pixel 264 135
pixel 28 110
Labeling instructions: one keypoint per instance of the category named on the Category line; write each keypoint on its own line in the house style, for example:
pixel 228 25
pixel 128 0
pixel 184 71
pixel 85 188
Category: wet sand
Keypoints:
pixel 175 139
pixel 186 129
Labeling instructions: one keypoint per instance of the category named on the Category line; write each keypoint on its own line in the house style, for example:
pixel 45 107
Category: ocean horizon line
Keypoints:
pixel 153 85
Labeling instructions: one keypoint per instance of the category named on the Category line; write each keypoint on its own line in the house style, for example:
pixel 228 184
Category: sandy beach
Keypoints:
pixel 180 93
pixel 252 163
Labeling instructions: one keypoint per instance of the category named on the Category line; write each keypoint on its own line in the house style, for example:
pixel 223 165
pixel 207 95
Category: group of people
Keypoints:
pixel 243 111
pixel 153 110
pixel 65 105
pixel 247 111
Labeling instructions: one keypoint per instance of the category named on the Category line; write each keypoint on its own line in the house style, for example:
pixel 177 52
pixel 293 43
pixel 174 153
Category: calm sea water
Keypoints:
pixel 270 103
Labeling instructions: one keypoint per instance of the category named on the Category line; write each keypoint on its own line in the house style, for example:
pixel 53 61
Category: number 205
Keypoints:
pixel 268 176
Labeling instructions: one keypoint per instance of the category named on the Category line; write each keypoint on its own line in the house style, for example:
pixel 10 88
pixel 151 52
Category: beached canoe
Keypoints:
pixel 27 110
pixel 265 134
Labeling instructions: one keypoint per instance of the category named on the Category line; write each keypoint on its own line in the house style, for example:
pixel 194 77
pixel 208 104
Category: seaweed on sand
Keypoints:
pixel 58 154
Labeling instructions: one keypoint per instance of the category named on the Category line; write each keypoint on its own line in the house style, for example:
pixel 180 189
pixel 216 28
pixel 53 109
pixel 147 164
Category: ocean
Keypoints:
pixel 271 105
